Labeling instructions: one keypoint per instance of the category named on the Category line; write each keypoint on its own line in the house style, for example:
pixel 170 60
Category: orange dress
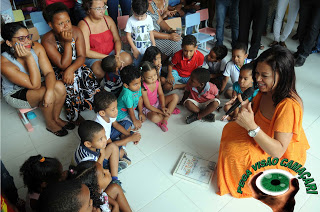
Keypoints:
pixel 238 151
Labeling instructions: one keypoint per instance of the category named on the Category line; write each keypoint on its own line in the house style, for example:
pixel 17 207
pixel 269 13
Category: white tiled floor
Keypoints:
pixel 149 184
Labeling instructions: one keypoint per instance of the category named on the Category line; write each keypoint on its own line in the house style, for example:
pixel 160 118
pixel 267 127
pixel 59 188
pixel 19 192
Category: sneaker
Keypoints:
pixel 126 159
pixel 210 117
pixel 296 55
pixel 122 165
pixel 300 61
pixel 192 118
pixel 315 50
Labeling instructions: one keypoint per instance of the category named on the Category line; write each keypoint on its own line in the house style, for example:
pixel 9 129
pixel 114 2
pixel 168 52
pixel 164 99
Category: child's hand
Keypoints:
pixel 170 79
pixel 137 124
pixel 166 111
pixel 142 117
pixel 66 36
pixel 135 137
pixel 136 53
pixel 230 102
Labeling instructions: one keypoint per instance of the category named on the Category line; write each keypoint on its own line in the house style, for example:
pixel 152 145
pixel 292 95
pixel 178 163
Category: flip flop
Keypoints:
pixel 69 126
pixel 60 133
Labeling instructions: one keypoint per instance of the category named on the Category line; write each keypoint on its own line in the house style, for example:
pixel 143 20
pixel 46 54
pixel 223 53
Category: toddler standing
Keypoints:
pixel 139 30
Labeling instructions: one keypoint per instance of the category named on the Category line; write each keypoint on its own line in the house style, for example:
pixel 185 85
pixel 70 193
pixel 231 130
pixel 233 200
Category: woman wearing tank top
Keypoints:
pixel 101 37
pixel 22 64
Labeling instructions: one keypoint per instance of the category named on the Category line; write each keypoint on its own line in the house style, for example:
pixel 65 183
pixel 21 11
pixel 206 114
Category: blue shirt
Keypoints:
pixel 127 99
pixel 236 88
pixel 83 153
pixel 173 3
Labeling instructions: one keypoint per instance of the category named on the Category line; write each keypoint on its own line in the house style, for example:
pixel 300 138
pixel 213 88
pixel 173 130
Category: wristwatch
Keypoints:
pixel 253 133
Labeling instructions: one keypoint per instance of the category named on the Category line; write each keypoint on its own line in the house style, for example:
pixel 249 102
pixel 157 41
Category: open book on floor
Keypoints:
pixel 195 169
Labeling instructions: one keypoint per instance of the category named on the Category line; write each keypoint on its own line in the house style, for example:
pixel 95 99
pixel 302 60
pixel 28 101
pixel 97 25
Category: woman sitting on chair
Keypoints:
pixel 101 37
pixel 22 63
pixel 66 50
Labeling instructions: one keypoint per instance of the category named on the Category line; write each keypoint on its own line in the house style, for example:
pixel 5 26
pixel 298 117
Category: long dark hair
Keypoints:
pixel 7 32
pixel 86 173
pixel 37 170
pixel 281 61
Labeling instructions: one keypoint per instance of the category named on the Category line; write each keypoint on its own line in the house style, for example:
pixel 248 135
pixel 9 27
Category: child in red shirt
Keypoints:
pixel 183 63
pixel 200 96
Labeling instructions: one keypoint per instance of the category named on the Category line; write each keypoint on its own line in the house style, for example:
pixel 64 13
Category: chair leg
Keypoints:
pixel 25 121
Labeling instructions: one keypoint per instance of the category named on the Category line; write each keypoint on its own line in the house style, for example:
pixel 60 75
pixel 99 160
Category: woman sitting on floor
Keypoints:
pixel 270 126
pixel 66 50
pixel 22 63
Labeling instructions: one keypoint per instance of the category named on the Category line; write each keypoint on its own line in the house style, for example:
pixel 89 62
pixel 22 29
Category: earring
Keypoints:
pixel 11 50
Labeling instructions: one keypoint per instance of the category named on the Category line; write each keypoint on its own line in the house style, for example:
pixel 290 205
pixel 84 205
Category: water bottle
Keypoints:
pixel 32 118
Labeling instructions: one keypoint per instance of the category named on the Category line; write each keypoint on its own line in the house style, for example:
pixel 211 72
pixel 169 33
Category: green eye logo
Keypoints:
pixel 274 182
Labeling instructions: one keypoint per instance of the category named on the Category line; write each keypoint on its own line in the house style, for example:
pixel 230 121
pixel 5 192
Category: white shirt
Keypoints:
pixel 140 32
pixel 216 67
pixel 233 71
pixel 106 125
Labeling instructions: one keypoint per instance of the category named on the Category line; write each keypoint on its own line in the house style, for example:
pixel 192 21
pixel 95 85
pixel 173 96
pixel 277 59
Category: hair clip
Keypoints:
pixel 71 171
pixel 42 160
pixel 140 68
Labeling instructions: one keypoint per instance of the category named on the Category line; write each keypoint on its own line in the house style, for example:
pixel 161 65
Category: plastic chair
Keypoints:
pixel 37 17
pixel 204 16
pixel 174 23
pixel 193 20
pixel 122 22
pixel 18 16
pixel 25 121
pixel 35 33
pixel 42 27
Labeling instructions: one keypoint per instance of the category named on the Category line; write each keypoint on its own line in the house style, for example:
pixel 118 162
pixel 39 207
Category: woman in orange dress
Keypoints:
pixel 270 126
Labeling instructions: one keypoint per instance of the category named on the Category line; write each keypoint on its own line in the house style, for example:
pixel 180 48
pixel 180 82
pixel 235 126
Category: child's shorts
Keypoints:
pixel 114 135
pixel 178 78
pixel 105 163
pixel 127 118
pixel 145 110
pixel 202 105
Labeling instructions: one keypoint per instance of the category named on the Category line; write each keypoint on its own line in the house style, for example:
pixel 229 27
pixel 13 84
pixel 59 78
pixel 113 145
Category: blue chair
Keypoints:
pixel 42 27
pixel 39 22
pixel 37 17
pixel 193 20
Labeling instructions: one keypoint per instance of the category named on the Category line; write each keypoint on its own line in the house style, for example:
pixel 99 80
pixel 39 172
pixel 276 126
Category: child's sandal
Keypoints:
pixel 176 111
pixel 163 127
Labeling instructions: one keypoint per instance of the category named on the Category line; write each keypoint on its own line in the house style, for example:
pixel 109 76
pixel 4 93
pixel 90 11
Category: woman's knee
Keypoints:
pixel 97 70
pixel 59 88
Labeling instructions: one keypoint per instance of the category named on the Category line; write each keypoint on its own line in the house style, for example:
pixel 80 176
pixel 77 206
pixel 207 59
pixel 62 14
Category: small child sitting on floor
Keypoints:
pixel 158 109
pixel 102 192
pixel 153 55
pixel 200 97
pixel 38 172
pixel 245 81
pixel 183 63
pixel 94 147
pixel 112 65
pixel 107 112
pixel 217 62
pixel 130 97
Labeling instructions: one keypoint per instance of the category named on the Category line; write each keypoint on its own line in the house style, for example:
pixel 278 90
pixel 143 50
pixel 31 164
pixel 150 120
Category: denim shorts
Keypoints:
pixel 90 61
pixel 178 78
